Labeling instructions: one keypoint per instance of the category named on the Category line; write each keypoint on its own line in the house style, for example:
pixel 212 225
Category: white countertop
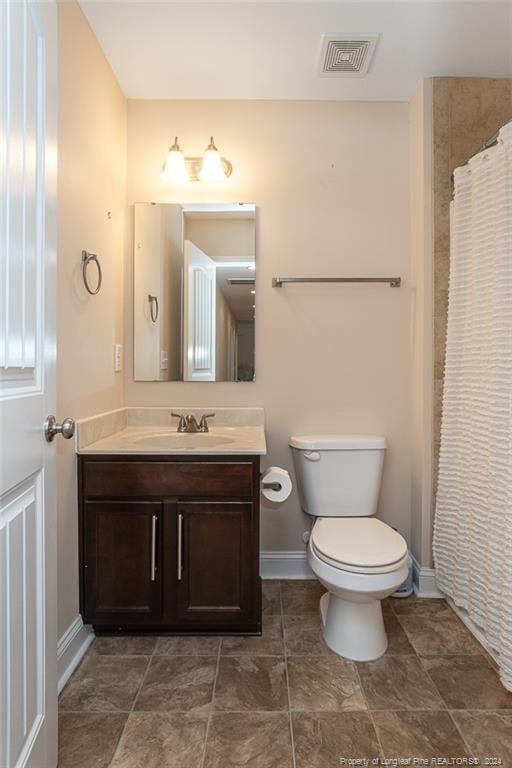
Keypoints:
pixel 158 440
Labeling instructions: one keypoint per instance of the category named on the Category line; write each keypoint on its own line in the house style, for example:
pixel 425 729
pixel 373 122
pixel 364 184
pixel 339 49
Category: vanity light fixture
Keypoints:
pixel 211 168
pixel 174 167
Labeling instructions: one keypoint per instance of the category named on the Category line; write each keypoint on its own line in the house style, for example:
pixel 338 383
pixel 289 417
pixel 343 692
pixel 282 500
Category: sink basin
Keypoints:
pixel 179 440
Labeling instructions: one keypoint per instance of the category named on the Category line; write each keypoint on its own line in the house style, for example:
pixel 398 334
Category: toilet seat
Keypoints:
pixel 358 544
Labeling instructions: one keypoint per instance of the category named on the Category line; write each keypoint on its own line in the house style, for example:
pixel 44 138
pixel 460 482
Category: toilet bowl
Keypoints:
pixel 359 559
pixel 357 575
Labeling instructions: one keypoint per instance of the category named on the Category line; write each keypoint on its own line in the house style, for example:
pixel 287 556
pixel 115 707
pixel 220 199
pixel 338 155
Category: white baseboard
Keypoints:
pixel 294 565
pixel 71 648
pixel 425 581
pixel 285 565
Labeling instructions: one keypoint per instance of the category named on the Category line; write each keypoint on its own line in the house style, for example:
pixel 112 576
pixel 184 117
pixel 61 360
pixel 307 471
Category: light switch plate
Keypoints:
pixel 164 359
pixel 118 358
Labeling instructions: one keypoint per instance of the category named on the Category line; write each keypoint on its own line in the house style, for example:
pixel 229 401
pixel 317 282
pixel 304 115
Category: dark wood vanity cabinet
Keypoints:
pixel 169 544
pixel 215 585
pixel 121 577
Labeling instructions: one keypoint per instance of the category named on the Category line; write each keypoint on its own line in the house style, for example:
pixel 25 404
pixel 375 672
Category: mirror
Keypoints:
pixel 194 292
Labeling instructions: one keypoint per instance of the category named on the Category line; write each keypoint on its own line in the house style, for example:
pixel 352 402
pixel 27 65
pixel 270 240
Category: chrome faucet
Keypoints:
pixel 188 422
pixel 203 424
pixel 182 423
pixel 191 424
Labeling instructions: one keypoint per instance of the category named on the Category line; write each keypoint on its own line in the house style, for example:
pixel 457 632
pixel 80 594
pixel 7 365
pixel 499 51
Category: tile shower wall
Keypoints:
pixel 466 112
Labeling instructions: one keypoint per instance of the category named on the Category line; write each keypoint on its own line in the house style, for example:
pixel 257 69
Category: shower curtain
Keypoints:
pixel 473 520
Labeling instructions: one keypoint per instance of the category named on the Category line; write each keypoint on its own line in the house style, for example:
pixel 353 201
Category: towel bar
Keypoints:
pixel 394 282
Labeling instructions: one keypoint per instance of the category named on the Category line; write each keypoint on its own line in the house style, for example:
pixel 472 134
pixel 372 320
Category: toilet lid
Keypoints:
pixel 363 542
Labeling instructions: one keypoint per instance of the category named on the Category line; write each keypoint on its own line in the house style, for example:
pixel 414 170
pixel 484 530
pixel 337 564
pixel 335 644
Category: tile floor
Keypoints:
pixel 284 700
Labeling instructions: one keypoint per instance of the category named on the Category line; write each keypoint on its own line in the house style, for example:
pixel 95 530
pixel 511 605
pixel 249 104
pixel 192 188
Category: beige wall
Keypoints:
pixel 331 184
pixel 92 162
pixel 222 239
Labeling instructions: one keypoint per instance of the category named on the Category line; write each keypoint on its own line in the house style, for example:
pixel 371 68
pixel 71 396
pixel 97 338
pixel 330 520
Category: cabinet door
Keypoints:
pixel 217 569
pixel 122 580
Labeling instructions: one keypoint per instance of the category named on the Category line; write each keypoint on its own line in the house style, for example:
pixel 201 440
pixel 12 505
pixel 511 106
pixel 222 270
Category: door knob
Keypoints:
pixel 51 428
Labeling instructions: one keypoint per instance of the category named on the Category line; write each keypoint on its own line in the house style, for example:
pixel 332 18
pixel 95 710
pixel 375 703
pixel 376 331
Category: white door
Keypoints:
pixel 28 197
pixel 199 313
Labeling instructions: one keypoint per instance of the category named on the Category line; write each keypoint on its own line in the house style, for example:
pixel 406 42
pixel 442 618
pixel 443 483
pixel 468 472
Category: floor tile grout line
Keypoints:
pixel 217 668
pixel 94 711
pixel 313 654
pixel 368 710
pixel 474 710
pixel 433 682
pixel 205 745
pixel 449 655
pixel 372 721
pixel 470 752
pixel 141 685
pixel 128 714
pixel 210 716
pixel 404 630
pixel 290 723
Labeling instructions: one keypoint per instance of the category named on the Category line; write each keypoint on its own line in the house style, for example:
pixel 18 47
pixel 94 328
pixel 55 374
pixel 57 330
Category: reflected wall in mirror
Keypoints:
pixel 194 292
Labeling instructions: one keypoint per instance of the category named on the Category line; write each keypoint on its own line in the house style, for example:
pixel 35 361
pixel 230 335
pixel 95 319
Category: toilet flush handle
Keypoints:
pixel 312 455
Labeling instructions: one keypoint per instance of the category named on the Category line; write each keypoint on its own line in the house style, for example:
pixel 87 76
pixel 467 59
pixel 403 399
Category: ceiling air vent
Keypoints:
pixel 346 56
pixel 241 280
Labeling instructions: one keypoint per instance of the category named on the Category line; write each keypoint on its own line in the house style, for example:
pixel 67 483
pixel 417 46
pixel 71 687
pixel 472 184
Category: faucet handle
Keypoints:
pixel 182 422
pixel 203 424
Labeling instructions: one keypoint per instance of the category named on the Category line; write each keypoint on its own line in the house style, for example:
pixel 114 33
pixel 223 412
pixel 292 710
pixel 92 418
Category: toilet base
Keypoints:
pixel 353 630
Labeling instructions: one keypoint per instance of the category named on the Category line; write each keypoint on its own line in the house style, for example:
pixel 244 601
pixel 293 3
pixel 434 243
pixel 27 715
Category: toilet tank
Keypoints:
pixel 338 475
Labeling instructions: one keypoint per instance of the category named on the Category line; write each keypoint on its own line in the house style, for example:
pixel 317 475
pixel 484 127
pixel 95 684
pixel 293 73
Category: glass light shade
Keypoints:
pixel 211 169
pixel 174 167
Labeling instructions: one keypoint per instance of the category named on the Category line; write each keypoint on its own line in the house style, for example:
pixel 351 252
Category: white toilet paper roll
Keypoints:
pixel 280 476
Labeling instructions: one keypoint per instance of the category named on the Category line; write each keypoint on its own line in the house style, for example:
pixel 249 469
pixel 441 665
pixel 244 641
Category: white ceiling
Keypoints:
pixel 268 50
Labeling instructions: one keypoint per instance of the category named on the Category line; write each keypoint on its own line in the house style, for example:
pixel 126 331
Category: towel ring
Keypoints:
pixel 86 260
pixel 153 307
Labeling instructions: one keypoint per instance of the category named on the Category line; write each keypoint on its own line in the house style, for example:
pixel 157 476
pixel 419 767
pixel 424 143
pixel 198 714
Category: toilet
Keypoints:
pixel 359 559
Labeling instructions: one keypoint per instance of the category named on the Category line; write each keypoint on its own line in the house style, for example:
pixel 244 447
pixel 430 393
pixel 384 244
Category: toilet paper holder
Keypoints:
pixel 272 486
pixel 275 484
